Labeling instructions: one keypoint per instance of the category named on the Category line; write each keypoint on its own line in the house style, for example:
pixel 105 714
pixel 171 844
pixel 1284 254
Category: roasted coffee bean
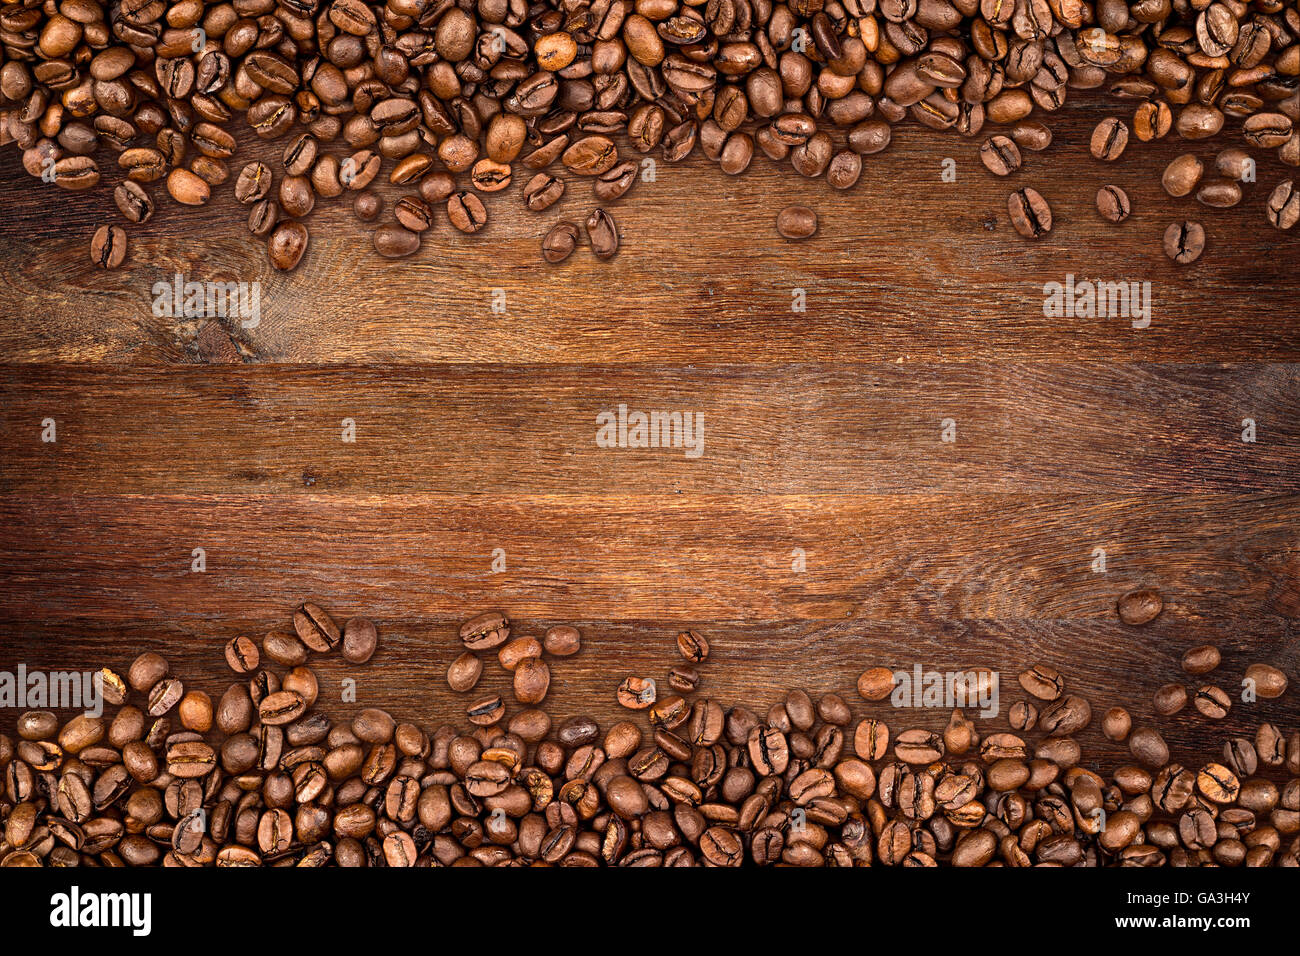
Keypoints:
pixel 1113 204
pixel 1109 139
pixel 1140 607
pixel 1029 213
pixel 1266 680
pixel 133 202
pixel 1219 193
pixel 187 188
pixel 560 241
pixel 1170 699
pixel 614 182
pixel 1182 175
pixel 394 241
pixel 314 627
pixel 287 245
pixel 1184 242
pixel 796 222
pixel 466 212
pixel 254 183
pixel 602 233
pixel 542 192
pixel 1000 155
pixel 1283 207
pixel 562 640
pixel 108 247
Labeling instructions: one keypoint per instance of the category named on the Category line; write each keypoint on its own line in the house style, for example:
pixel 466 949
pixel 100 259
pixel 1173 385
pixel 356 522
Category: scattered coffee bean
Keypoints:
pixel 1113 204
pixel 1184 242
pixel 108 247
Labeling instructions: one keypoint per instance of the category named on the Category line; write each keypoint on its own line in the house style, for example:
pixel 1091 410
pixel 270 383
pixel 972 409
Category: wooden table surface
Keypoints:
pixel 475 431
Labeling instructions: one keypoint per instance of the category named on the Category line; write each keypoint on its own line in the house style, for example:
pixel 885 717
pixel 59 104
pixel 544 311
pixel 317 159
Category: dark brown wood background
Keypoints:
pixel 475 431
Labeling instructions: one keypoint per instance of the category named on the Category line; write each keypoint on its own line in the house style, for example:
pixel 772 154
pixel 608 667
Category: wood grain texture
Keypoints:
pixel 766 429
pixel 926 558
pixel 905 267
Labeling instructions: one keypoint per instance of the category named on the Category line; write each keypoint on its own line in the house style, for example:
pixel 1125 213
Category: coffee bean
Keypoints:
pixel 1113 204
pixel 562 640
pixel 360 639
pixel 1000 155
pixel 254 182
pixel 1182 175
pixel 1116 724
pixel 1283 208
pixel 876 683
pixel 1032 135
pixel 1212 701
pixel 1201 660
pixel 542 192
pixel 1140 607
pixel 602 233
pixel 108 247
pixel 590 156
pixel 1268 682
pixel 796 222
pixel 1029 213
pixel 486 631
pixel 316 628
pixel 489 176
pixel 466 212
pixel 1184 242
pixel 367 206
pixel 614 182
pixel 560 241
pixel 1170 699
pixel 241 655
pixel 187 188
pixel 1109 139
pixel 1219 193
pixel 133 202
pixel 1043 682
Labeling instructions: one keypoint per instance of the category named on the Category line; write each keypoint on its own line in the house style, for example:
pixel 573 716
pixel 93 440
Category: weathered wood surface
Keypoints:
pixel 476 431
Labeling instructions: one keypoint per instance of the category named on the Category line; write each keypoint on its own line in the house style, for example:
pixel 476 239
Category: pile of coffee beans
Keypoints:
pixel 449 97
pixel 265 777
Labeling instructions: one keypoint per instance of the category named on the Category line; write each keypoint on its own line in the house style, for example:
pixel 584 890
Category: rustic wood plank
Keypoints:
pixel 750 664
pixel 533 429
pixel 906 267
pixel 925 558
